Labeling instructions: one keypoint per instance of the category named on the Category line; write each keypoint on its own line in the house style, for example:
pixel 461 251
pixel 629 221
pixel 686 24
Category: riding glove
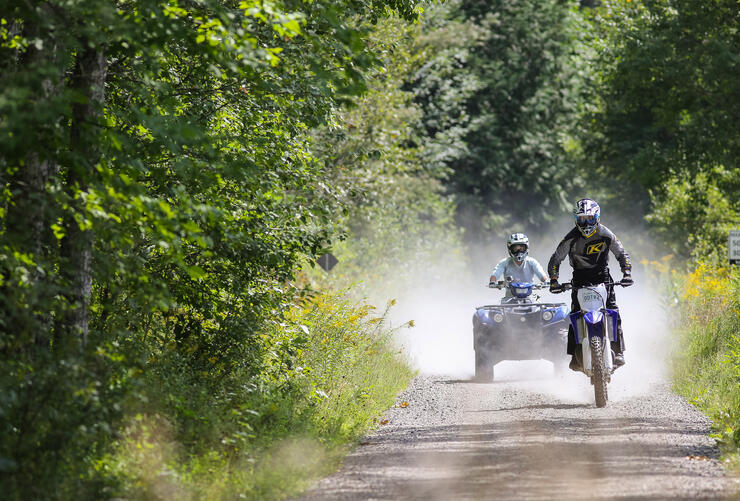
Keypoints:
pixel 627 280
pixel 555 286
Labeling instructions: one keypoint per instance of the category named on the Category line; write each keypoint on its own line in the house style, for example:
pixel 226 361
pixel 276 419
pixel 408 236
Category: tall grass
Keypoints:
pixel 706 365
pixel 330 370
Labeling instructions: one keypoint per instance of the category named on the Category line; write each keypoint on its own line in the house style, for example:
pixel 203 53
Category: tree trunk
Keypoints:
pixel 28 219
pixel 77 245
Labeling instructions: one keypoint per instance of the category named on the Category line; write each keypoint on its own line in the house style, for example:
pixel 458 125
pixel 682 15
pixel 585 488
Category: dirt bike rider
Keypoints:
pixel 588 245
pixel 519 266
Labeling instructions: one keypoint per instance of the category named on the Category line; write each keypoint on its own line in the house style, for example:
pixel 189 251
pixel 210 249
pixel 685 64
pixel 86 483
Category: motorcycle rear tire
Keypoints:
pixel 599 377
pixel 483 368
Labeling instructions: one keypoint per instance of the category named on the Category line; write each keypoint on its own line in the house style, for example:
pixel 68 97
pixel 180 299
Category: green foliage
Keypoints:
pixel 694 214
pixel 707 362
pixel 158 193
pixel 667 88
pixel 500 96
pixel 330 371
pixel 659 126
pixel 398 222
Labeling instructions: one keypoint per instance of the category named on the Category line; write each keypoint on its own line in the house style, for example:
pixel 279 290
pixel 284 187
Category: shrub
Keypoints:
pixel 706 365
pixel 327 372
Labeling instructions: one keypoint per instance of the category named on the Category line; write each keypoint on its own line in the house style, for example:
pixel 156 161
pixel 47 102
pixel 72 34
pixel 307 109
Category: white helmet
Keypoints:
pixel 518 246
pixel 587 214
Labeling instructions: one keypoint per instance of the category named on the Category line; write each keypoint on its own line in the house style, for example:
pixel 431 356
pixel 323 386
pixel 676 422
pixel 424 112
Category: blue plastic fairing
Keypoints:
pixel 558 314
pixel 594 324
pixel 614 317
pixel 485 316
pixel 595 329
pixel 593 317
pixel 520 290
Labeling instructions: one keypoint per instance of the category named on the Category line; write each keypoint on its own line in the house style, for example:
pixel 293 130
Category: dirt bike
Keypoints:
pixel 594 327
pixel 518 329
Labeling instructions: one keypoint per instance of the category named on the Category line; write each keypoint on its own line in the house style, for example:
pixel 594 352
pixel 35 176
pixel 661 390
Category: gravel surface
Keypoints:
pixel 532 435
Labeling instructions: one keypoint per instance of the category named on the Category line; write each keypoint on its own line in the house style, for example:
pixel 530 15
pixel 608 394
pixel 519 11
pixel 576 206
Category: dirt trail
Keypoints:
pixel 534 438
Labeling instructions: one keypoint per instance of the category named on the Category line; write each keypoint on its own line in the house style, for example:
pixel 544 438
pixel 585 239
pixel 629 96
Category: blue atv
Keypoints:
pixel 519 329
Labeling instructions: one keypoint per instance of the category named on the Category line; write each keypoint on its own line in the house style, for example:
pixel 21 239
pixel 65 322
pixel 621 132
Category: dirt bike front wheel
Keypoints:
pixel 599 377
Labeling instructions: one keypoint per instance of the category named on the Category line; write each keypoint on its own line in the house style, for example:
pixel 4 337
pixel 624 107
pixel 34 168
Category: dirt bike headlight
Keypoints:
pixel 498 318
pixel 547 316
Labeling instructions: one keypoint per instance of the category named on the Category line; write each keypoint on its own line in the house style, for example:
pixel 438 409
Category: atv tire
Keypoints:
pixel 483 368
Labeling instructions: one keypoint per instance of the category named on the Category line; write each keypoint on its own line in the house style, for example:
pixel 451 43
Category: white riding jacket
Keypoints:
pixel 527 272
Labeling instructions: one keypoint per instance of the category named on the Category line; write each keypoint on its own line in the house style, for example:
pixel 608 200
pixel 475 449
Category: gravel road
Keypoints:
pixel 533 435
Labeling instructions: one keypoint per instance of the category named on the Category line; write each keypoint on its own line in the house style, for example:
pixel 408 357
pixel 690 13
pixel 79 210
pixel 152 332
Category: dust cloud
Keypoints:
pixel 533 433
pixel 441 342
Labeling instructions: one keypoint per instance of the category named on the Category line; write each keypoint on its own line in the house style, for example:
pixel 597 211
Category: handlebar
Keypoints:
pixel 561 288
pixel 566 286
pixel 503 285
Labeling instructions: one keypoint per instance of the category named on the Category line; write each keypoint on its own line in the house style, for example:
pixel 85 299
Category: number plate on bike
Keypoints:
pixel 592 298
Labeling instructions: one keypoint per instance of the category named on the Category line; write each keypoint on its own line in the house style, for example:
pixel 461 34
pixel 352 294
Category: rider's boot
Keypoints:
pixel 618 350
pixel 618 359
pixel 575 364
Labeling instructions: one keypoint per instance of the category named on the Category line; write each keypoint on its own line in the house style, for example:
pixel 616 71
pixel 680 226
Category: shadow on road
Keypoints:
pixel 506 381
pixel 545 458
pixel 466 381
pixel 539 406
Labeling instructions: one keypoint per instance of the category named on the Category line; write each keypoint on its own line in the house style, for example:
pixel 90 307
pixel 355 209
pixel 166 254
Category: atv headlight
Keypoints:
pixel 498 318
pixel 547 316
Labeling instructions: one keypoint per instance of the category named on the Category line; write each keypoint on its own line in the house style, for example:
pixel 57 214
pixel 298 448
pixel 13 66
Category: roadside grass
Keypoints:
pixel 706 362
pixel 327 373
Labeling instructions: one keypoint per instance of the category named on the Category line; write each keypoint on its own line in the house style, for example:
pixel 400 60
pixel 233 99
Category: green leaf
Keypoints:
pixel 196 272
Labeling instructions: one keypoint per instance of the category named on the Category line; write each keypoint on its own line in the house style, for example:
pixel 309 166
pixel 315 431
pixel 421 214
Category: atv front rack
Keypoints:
pixel 520 305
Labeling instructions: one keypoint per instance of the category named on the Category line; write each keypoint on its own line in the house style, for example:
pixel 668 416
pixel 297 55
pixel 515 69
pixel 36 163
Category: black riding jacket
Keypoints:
pixel 589 257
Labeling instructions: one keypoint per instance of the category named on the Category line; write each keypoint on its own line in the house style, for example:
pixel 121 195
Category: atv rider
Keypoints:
pixel 519 266
pixel 588 245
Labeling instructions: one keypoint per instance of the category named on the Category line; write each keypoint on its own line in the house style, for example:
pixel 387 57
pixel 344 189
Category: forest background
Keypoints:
pixel 171 171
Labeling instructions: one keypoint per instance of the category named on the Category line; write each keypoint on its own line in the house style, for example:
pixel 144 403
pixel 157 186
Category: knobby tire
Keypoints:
pixel 599 372
pixel 483 368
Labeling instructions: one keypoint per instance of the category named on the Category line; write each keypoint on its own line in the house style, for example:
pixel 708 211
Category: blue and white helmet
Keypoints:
pixel 587 214
pixel 518 246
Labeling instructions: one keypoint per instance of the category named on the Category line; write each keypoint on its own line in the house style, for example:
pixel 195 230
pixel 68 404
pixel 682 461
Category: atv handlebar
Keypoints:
pixel 503 285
